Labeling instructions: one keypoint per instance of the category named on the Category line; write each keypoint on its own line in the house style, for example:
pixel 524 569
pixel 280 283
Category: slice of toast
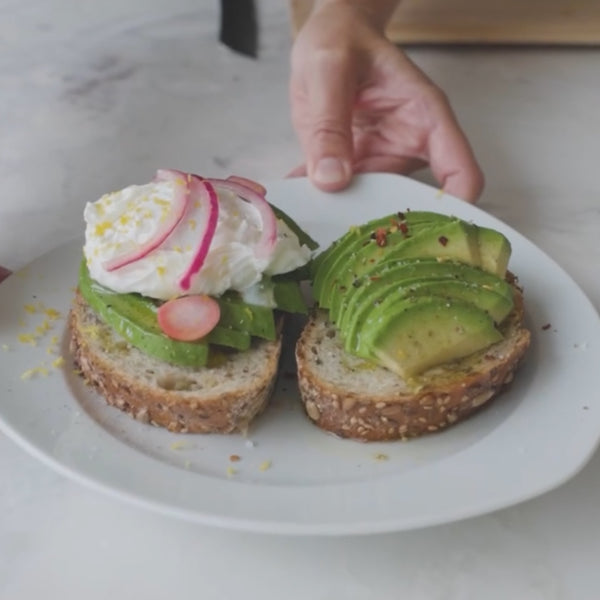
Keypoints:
pixel 223 398
pixel 352 398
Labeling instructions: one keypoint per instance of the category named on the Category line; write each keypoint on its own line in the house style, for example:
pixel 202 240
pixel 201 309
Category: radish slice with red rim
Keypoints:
pixel 250 183
pixel 268 238
pixel 188 318
pixel 181 198
pixel 202 191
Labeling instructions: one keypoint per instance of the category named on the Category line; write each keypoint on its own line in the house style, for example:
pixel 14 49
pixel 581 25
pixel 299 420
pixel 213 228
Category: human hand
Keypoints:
pixel 359 104
pixel 4 273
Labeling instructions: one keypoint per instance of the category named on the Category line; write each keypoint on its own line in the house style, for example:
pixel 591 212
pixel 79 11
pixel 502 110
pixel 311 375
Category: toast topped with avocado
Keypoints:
pixel 177 315
pixel 418 324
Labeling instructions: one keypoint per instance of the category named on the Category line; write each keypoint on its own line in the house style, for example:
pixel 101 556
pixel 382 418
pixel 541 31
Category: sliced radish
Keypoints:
pixel 181 199
pixel 253 185
pixel 268 238
pixel 188 318
pixel 202 191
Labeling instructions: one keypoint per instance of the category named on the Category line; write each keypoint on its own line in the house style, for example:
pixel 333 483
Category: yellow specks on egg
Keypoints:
pixel 192 224
pixel 102 228
pixel 265 465
pixel 160 270
pixel 30 308
pixel 124 219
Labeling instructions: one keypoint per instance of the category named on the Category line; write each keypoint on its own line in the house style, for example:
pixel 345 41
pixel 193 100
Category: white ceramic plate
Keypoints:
pixel 293 478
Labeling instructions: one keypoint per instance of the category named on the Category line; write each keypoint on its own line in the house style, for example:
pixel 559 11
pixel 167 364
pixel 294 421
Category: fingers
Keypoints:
pixel 323 122
pixel 451 157
pixel 389 164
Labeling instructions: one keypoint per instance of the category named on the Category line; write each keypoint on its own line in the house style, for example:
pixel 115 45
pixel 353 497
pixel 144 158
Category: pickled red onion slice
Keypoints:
pixel 170 175
pixel 202 191
pixel 253 185
pixel 188 318
pixel 181 199
pixel 268 238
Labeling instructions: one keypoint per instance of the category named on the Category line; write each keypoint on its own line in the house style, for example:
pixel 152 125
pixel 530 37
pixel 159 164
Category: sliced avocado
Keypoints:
pixel 494 304
pixel 348 309
pixel 132 318
pixel 451 240
pixel 387 300
pixel 423 332
pixel 288 297
pixel 336 254
pixel 241 316
pixel 494 250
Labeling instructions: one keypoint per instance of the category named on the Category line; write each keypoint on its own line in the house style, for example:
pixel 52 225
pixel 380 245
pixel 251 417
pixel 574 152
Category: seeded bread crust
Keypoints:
pixel 352 398
pixel 220 399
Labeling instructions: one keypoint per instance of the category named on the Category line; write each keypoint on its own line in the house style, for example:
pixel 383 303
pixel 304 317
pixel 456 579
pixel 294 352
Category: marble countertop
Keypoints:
pixel 96 95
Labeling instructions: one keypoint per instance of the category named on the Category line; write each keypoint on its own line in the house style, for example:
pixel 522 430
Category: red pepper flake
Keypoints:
pixel 235 458
pixel 443 240
pixel 381 237
pixel 403 228
pixel 546 326
pixel 375 278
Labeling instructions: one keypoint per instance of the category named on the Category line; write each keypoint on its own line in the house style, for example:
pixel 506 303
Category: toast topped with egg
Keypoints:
pixel 177 315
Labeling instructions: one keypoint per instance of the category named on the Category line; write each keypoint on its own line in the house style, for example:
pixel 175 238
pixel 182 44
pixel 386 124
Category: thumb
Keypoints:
pixel 324 127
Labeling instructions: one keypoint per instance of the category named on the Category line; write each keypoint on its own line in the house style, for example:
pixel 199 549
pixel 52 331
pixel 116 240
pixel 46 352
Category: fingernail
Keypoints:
pixel 329 170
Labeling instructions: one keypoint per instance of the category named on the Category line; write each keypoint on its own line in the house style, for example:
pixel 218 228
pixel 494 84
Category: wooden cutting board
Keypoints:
pixel 574 22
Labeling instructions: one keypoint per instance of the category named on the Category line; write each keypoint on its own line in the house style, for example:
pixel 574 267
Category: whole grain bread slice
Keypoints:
pixel 223 398
pixel 352 398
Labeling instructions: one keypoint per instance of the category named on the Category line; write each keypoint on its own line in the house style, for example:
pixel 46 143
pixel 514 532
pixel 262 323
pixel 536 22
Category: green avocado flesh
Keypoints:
pixel 424 332
pixel 134 317
pixel 451 240
pixel 335 257
pixel 414 290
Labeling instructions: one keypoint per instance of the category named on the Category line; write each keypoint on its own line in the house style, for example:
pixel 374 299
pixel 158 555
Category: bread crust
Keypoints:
pixel 220 399
pixel 389 408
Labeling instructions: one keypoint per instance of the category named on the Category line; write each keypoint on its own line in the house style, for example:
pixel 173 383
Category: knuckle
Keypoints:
pixel 329 130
